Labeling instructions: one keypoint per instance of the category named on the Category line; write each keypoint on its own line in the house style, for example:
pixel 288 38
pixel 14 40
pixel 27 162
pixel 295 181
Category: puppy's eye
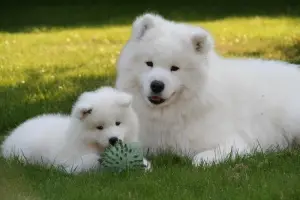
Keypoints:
pixel 100 127
pixel 149 63
pixel 118 123
pixel 174 68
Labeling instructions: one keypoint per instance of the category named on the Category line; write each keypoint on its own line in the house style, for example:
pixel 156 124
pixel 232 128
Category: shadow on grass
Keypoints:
pixel 29 18
pixel 283 51
pixel 37 96
pixel 291 53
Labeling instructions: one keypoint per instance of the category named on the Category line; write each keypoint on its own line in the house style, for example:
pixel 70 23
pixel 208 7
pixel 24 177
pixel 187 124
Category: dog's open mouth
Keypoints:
pixel 156 99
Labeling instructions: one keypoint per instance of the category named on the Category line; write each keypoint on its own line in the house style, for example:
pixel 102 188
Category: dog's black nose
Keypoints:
pixel 157 86
pixel 113 140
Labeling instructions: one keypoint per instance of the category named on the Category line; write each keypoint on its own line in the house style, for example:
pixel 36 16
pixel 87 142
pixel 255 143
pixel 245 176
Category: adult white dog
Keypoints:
pixel 192 100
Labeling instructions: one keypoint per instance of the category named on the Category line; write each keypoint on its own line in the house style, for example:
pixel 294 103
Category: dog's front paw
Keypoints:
pixel 205 158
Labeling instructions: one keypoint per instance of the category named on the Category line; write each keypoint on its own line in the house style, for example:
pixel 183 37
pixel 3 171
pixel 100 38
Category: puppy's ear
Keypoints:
pixel 202 41
pixel 124 99
pixel 81 111
pixel 143 23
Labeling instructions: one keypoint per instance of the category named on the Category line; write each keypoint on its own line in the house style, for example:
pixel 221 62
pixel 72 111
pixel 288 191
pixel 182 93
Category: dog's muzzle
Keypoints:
pixel 157 87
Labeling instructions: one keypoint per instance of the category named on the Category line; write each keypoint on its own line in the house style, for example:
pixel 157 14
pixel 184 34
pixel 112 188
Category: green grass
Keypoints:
pixel 49 55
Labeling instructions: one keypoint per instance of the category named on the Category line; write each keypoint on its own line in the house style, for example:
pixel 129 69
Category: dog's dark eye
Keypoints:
pixel 149 63
pixel 174 68
pixel 118 123
pixel 100 127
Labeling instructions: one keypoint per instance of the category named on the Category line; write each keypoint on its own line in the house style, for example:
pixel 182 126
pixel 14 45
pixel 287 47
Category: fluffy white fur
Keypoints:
pixel 213 105
pixel 74 142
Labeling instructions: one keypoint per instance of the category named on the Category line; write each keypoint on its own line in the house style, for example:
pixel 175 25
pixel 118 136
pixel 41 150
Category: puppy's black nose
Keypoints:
pixel 157 86
pixel 113 140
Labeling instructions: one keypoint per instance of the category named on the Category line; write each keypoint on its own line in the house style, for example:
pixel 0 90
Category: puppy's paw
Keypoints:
pixel 147 165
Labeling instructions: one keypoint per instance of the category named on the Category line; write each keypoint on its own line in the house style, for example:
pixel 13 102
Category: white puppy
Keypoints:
pixel 200 104
pixel 98 118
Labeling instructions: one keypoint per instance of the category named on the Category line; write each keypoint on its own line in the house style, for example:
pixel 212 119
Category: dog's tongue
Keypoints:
pixel 155 98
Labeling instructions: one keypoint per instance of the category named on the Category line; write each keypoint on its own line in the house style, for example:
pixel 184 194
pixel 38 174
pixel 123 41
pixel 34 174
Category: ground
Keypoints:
pixel 49 55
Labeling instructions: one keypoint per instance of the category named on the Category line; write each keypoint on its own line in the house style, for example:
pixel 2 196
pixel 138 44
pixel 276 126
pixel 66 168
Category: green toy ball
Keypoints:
pixel 122 156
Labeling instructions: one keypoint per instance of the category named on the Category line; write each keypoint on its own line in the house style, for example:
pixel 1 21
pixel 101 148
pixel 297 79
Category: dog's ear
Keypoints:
pixel 143 23
pixel 201 40
pixel 124 99
pixel 81 111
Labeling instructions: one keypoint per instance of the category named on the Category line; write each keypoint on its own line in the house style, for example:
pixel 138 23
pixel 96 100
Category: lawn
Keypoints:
pixel 49 55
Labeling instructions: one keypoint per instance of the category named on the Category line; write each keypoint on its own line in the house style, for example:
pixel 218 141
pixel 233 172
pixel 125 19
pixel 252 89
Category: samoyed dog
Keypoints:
pixel 197 103
pixel 98 118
